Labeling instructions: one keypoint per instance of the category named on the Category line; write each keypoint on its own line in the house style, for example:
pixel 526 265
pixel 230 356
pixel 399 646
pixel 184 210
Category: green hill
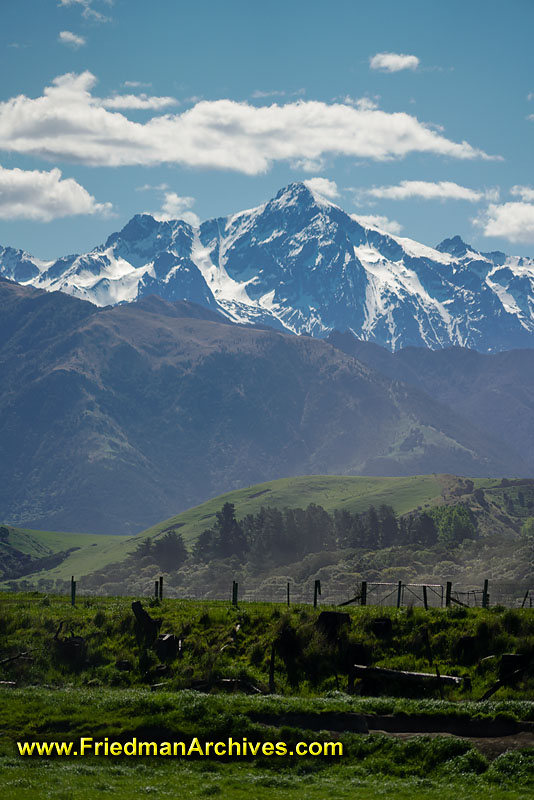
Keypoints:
pixel 44 543
pixel 95 552
pixel 355 494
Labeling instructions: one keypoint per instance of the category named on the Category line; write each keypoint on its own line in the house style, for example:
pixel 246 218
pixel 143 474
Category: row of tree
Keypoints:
pixel 284 536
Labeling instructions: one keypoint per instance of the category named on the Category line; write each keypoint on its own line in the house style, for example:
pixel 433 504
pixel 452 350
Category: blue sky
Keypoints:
pixel 419 112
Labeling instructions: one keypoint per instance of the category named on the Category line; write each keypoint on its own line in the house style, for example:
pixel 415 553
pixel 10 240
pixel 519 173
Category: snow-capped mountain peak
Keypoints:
pixel 300 263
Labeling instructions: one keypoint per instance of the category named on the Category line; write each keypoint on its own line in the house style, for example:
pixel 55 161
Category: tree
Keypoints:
pixel 371 525
pixel 319 529
pixel 170 551
pixel 343 523
pixel 425 530
pixel 229 537
pixel 453 524
pixel 389 529
pixel 203 549
pixel 144 548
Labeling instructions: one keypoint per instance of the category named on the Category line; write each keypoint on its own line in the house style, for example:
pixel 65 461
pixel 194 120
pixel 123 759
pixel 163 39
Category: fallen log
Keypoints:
pixel 359 671
pixel 25 656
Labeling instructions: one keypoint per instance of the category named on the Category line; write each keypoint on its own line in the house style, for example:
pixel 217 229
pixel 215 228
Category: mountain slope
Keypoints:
pixel 300 263
pixel 113 418
pixel 495 393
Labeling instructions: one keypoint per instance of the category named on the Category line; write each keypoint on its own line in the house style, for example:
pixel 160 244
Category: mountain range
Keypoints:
pixel 114 418
pixel 301 264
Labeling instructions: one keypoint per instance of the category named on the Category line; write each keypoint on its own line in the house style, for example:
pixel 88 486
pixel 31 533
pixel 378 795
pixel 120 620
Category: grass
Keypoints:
pixel 125 781
pixel 42 543
pixel 222 642
pixel 371 766
pixel 120 714
pixel 63 700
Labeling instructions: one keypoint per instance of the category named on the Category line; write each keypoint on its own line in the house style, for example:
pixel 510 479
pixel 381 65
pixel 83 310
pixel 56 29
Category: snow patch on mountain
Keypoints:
pixel 301 264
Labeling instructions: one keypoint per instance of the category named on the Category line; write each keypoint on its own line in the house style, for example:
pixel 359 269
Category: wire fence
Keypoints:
pixel 379 594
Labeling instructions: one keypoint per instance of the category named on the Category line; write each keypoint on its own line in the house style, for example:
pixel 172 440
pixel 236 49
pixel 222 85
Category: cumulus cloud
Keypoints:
pixel 71 39
pixel 393 62
pixel 44 196
pixel 512 221
pixel 176 207
pixel 428 190
pixel 323 186
pixel 526 193
pixel 378 221
pixel 138 101
pixel 68 122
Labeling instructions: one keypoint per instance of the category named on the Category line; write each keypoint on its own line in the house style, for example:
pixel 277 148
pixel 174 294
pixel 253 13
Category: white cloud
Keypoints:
pixel 393 62
pixel 141 101
pixel 71 39
pixel 176 207
pixel 323 186
pixel 44 196
pixel 428 190
pixel 512 221
pixel 526 193
pixel 136 85
pixel 378 221
pixel 149 187
pixel 307 164
pixel 67 122
pixel 260 94
pixel 88 12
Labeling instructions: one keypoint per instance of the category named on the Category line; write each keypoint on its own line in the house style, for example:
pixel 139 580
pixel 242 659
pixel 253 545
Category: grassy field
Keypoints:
pixel 371 766
pixel 92 779
pixel 42 543
pixel 223 643
pixel 109 692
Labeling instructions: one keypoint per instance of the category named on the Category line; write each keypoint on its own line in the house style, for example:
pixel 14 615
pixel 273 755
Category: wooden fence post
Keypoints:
pixel 425 598
pixel 485 595
pixel 399 593
pixel 363 596
pixel 234 593
pixel 156 589
pixel 73 591
pixel 448 594
pixel 288 593
pixel 161 587
pixel 316 592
